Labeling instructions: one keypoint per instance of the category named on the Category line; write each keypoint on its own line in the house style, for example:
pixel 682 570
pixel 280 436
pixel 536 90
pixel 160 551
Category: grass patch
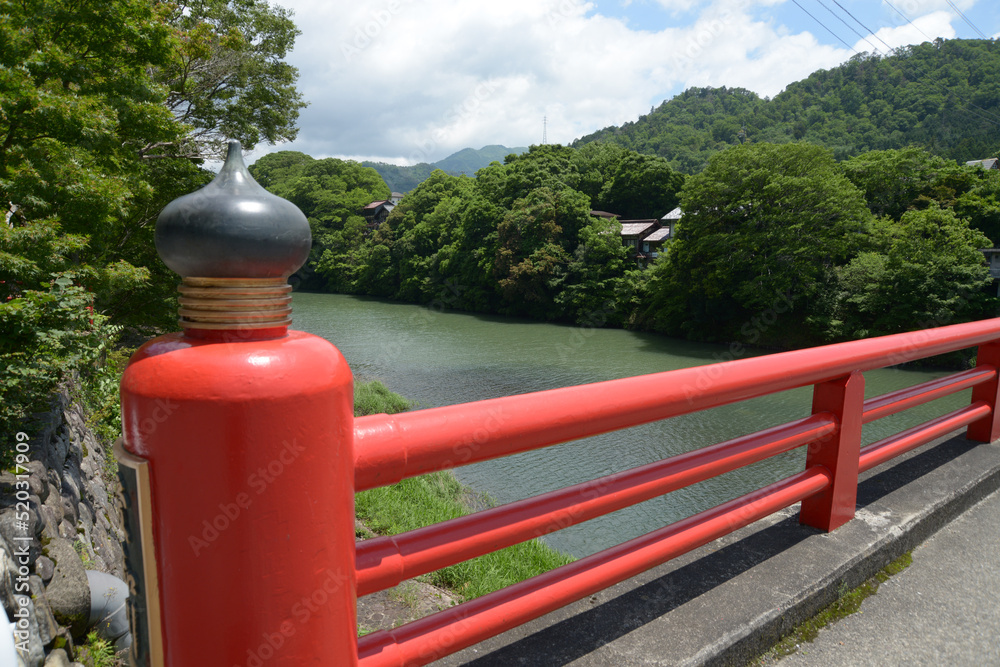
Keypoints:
pixel 428 499
pixel 421 501
pixel 373 397
pixel 97 652
pixel 848 602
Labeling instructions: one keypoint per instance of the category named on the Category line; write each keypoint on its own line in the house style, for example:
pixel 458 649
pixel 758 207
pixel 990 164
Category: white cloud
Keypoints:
pixel 930 26
pixel 409 81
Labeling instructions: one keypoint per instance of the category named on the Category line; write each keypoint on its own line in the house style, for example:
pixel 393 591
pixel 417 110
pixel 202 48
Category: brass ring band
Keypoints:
pixel 234 303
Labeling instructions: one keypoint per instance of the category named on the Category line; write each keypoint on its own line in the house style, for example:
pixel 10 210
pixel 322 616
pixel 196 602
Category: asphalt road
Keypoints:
pixel 943 610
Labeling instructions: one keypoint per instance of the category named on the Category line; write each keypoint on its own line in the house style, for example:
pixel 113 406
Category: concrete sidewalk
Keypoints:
pixel 728 601
pixel 942 610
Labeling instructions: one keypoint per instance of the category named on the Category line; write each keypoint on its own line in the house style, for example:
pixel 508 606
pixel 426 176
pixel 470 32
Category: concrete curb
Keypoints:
pixel 728 601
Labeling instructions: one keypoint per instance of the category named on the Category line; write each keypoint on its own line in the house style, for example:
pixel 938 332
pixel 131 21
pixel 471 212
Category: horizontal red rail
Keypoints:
pixel 391 448
pixel 879 452
pixel 910 397
pixel 386 561
pixel 432 637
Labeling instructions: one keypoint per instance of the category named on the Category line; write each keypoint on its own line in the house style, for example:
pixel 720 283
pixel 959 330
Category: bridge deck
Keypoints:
pixel 729 600
pixel 939 611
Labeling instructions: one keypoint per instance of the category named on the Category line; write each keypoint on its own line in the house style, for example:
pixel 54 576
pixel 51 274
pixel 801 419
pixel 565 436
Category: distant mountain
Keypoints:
pixel 466 161
pixel 942 96
pixel 401 179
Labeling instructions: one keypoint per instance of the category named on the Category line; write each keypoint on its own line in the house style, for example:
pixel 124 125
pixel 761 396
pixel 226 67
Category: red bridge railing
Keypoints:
pixel 391 448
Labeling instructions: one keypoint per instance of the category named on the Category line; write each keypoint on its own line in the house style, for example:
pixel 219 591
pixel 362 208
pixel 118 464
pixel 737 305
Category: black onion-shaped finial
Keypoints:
pixel 233 228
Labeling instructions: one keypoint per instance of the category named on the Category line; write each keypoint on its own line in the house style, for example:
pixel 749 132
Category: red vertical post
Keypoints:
pixel 987 429
pixel 845 398
pixel 243 432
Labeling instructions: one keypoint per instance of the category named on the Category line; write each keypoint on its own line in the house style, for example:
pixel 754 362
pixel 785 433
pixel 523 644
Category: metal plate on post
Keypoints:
pixel 140 560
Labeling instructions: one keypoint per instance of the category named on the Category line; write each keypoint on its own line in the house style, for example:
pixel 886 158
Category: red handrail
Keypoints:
pixel 391 448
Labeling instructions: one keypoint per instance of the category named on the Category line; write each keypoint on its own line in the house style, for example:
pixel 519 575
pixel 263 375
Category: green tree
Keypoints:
pixel 899 180
pixel 763 227
pixel 529 254
pixel 924 271
pixel 331 193
pixel 641 186
pixel 228 78
pixel 592 284
pixel 89 155
pixel 980 205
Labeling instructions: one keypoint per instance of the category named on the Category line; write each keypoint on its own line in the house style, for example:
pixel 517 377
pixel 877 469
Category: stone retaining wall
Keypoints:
pixel 73 523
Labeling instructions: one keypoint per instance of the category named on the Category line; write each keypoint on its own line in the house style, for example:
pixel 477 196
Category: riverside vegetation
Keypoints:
pixel 823 251
pixel 428 499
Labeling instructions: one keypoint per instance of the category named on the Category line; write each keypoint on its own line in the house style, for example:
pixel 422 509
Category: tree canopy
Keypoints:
pixel 228 78
pixel 763 224
pixel 102 108
pixel 781 245
pixel 518 239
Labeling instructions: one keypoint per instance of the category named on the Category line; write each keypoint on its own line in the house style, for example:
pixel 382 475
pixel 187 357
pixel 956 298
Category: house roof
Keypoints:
pixel 604 214
pixel 988 163
pixel 636 227
pixel 674 214
pixel 660 234
pixel 376 204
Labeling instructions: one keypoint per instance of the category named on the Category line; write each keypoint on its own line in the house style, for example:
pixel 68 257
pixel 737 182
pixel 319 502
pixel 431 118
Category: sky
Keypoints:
pixel 408 81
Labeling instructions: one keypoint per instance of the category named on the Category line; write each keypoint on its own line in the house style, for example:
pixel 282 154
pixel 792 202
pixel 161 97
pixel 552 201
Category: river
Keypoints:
pixel 441 358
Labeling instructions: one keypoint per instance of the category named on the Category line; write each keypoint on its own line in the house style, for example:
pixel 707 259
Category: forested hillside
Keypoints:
pixel 943 96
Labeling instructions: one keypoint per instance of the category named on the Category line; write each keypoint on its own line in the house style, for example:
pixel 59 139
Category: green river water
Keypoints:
pixel 443 358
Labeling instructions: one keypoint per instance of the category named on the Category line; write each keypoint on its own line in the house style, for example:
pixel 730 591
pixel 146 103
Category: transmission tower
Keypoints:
pixel 545 130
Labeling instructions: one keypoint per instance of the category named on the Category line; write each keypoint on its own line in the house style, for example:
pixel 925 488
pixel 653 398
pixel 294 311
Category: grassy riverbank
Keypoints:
pixel 428 499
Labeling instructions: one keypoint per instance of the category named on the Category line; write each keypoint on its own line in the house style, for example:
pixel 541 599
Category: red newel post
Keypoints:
pixel 237 453
pixel 988 428
pixel 845 398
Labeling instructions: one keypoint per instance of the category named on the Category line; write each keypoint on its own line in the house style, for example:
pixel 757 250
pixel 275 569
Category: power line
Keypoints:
pixel 849 27
pixel 993 118
pixel 963 107
pixel 824 26
pixel 908 20
pixel 863 25
pixel 978 31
